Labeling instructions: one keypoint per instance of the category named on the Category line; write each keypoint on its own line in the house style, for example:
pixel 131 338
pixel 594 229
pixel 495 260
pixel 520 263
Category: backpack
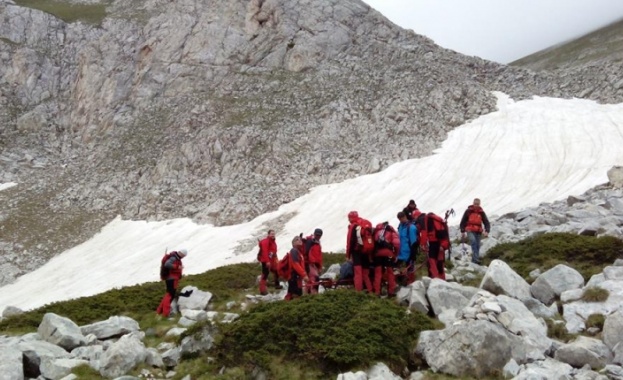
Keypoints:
pixel 474 220
pixel 437 229
pixel 284 268
pixel 380 241
pixel 308 242
pixel 164 272
pixel 367 236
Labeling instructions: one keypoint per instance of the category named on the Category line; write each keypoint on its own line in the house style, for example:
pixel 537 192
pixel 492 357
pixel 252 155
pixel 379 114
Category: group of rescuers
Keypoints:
pixel 384 249
pixel 377 254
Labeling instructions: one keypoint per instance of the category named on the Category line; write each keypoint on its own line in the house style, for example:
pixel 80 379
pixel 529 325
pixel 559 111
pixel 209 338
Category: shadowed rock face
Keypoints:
pixel 219 111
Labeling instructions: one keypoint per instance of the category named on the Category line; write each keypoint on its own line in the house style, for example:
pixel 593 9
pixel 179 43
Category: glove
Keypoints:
pixel 186 293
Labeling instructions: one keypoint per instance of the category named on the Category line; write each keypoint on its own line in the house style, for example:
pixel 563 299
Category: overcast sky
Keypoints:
pixel 500 30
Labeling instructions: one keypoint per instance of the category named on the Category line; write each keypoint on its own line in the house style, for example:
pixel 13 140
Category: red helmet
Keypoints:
pixel 353 215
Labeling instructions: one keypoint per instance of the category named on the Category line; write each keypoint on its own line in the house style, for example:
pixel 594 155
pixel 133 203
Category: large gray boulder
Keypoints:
pixel 198 300
pixel 61 331
pixel 122 356
pixel 113 327
pixel 576 313
pixel 548 369
pixel 549 285
pixel 615 176
pixel 35 351
pixel 448 295
pixel 414 296
pixel 502 279
pixel 584 351
pixel 11 365
pixel 56 369
pixel 471 348
pixel 199 342
pixel 613 329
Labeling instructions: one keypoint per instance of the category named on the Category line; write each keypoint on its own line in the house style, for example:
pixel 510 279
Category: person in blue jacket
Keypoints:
pixel 408 246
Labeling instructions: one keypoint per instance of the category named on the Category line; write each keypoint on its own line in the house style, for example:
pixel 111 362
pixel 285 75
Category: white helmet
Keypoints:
pixel 183 252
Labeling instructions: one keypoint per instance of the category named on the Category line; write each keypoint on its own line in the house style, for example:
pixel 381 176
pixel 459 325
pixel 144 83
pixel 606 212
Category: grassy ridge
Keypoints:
pixel 69 12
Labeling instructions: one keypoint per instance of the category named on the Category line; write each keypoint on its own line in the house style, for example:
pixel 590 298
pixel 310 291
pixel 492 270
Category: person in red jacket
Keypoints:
pixel 386 248
pixel 313 255
pixel 172 262
pixel 268 257
pixel 434 241
pixel 472 225
pixel 355 252
pixel 297 270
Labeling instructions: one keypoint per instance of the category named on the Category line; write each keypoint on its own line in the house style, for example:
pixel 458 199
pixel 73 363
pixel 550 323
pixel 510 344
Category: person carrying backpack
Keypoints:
pixel 408 234
pixel 171 272
pixel 472 224
pixel 296 269
pixel 313 259
pixel 267 256
pixel 359 248
pixel 386 246
pixel 434 241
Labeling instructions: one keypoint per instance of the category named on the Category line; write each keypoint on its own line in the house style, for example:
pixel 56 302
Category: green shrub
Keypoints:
pixel 595 294
pixel 595 320
pixel 557 330
pixel 337 330
pixel 69 12
pixel 587 254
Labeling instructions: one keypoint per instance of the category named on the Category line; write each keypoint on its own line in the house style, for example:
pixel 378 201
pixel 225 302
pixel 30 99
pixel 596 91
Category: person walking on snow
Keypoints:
pixel 472 224
pixel 356 251
pixel 386 246
pixel 267 256
pixel 297 270
pixel 313 253
pixel 408 233
pixel 171 273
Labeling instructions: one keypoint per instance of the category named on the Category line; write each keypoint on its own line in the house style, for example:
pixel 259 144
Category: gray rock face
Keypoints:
pixel 57 369
pixel 584 351
pixel 489 350
pixel 447 295
pixel 122 356
pixel 613 329
pixel 198 300
pixel 615 176
pixel 501 279
pixel 61 331
pixel 550 285
pixel 112 327
pixel 11 366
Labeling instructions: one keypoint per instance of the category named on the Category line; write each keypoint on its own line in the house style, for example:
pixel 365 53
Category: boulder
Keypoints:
pixel 613 329
pixel 11 365
pixel 584 351
pixel 575 313
pixel 615 176
pixel 548 369
pixel 198 300
pixel 614 273
pixel 360 375
pixel 56 369
pixel 35 351
pixel 549 285
pixel 11 311
pixel 61 331
pixel 448 295
pixel 501 279
pixel 380 371
pixel 113 327
pixel 415 296
pixel 199 342
pixel 470 348
pixel 122 356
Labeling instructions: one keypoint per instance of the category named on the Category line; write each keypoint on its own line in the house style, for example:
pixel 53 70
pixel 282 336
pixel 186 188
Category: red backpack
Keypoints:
pixel 284 269
pixel 367 236
pixel 437 229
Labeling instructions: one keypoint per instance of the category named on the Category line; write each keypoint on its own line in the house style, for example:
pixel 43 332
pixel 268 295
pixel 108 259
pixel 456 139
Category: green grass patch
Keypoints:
pixel 69 12
pixel 337 330
pixel 557 330
pixel 587 254
pixel 595 294
pixel 595 320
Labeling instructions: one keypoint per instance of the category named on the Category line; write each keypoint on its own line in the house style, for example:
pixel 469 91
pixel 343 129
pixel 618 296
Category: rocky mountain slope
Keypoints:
pixel 220 111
